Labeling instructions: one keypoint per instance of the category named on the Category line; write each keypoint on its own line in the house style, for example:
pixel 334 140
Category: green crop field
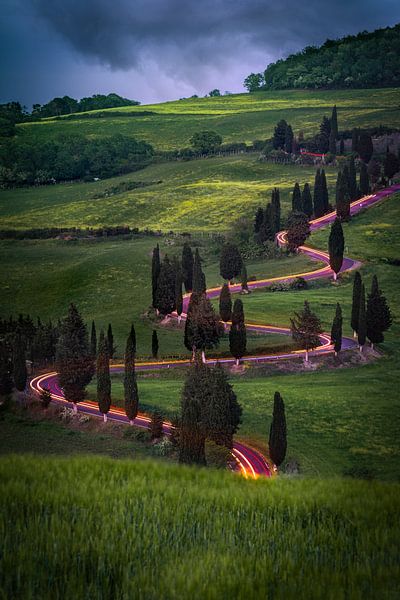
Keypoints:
pixel 96 528
pixel 237 118
pixel 199 195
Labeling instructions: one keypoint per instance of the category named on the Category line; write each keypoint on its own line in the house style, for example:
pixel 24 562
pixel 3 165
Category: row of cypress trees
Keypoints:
pixel 318 203
pixel 347 188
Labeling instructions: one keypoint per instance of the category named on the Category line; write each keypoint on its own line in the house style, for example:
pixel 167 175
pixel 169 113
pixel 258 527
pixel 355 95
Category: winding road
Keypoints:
pixel 249 461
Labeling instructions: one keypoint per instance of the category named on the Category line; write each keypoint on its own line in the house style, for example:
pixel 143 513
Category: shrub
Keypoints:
pixel 298 284
pixel 218 457
pixel 66 414
pixel 164 447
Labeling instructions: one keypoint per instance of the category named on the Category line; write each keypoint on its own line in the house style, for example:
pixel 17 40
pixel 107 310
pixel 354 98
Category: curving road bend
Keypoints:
pixel 250 462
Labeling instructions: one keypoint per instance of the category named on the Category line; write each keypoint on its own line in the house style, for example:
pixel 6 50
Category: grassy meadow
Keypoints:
pixel 237 118
pixel 96 528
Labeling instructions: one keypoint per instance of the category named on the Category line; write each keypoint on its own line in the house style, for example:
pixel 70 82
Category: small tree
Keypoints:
pixel 362 322
pixel 230 264
pixel 306 201
pixel 166 287
pixel 278 140
pixel 306 329
pixel 187 267
pixel 243 278
pixel 156 425
pixel 296 198
pixel 336 331
pixel 289 139
pixel 298 230
pixel 205 142
pixel 103 376
pixel 131 394
pixel 201 327
pixel 237 333
pixel 336 247
pixel 154 344
pixel 19 363
pixel 378 316
pixel 277 435
pixel 225 304
pixel 258 219
pixel 355 307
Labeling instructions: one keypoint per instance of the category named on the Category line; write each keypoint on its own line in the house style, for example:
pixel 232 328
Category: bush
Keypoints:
pixel 66 414
pixel 298 284
pixel 217 456
pixel 164 447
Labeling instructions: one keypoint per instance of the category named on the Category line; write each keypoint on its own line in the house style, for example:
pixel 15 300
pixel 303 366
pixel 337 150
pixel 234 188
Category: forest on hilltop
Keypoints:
pixel 366 60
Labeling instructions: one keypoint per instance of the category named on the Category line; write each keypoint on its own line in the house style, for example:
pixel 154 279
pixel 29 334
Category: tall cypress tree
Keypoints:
pixel 230 263
pixel 178 291
pixel 306 201
pixel 336 331
pixel 355 307
pixel 131 394
pixel 278 140
pixel 225 304
pixel 154 344
pixel 267 228
pixel 306 329
pixel 353 190
pixel 289 139
pixel 318 197
pixel 19 363
pixel 191 432
pixel 103 376
pixel 296 199
pixel 378 316
pixel 74 361
pixel 237 333
pixel 187 267
pixel 336 247
pixel 362 321
pixel 199 280
pixel 276 210
pixel 258 219
pixel 342 197
pixel 364 180
pixel 334 123
pixel 110 341
pixel 93 340
pixel 166 287
pixel 155 272
pixel 277 442
pixel 324 193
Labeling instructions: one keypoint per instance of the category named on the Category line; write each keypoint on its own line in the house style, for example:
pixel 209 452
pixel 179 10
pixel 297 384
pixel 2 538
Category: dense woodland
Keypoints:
pixel 365 60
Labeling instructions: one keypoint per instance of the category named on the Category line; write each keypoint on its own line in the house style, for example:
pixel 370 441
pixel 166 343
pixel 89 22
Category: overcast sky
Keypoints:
pixel 155 50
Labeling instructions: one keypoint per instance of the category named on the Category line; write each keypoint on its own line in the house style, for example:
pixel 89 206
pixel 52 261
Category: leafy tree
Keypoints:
pixel 110 341
pixel 297 205
pixel 19 363
pixel 230 264
pixel 336 247
pixel 362 322
pixel 378 316
pixel 225 304
pixel 306 329
pixel 298 230
pixel 74 361
pixel 103 376
pixel 154 344
pixel 306 201
pixel 201 327
pixel 214 93
pixel 364 180
pixel 205 142
pixel 258 219
pixel 365 147
pixel 336 331
pixel 237 333
pixel 156 425
pixel 289 139
pixel 334 123
pixel 277 442
pixel 131 394
pixel 166 287
pixel 93 340
pixel 187 267
pixel 355 307
pixel 391 165
pixel 253 82
pixel 155 272
pixel 279 138
pixel 199 280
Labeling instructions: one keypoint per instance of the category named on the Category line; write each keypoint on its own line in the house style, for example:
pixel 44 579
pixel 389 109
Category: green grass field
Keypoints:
pixel 96 528
pixel 238 118
pixel 199 195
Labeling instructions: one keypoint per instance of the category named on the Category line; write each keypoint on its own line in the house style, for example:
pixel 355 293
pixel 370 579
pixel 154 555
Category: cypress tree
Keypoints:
pixel 306 329
pixel 258 219
pixel 93 340
pixel 131 394
pixel 342 197
pixel 353 190
pixel 19 363
pixel 306 201
pixel 187 267
pixel 225 304
pixel 191 433
pixel 166 287
pixel 155 272
pixel 341 147
pixel 156 425
pixel 103 376
pixel 243 278
pixel 354 140
pixel 289 139
pixel 267 228
pixel 110 341
pixel 332 142
pixel 178 292
pixel 374 170
pixel 355 307
pixel 336 247
pixel 199 280
pixel 334 123
pixel 298 230
pixel 318 200
pixel 336 331
pixel 324 193
pixel 365 147
pixel 378 316
pixel 277 442
pixel 279 137
pixel 364 180
pixel 201 327
pixel 154 344
pixel 237 332
pixel 230 264
pixel 6 382
pixel 74 361
pixel 276 210
pixel 296 199
pixel 362 322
